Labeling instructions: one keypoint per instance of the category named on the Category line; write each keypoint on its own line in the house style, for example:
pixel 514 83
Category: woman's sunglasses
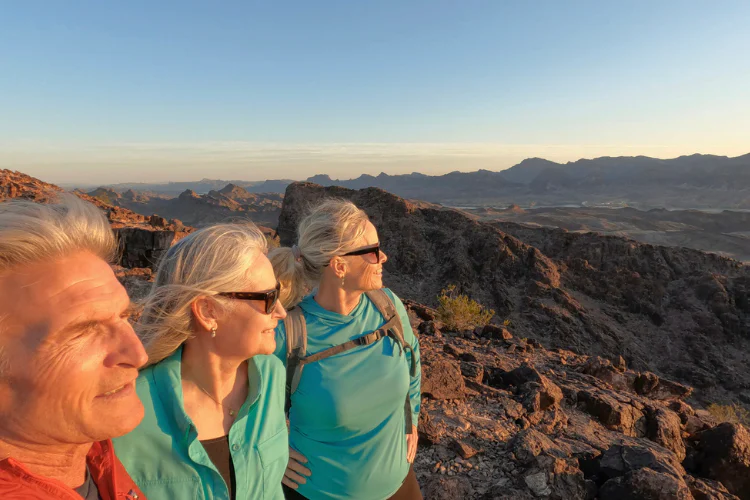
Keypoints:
pixel 365 251
pixel 270 297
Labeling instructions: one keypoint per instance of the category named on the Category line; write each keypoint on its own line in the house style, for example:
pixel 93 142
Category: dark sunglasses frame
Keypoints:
pixel 365 251
pixel 270 297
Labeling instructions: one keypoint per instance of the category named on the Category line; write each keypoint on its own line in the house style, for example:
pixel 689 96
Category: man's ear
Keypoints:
pixel 206 312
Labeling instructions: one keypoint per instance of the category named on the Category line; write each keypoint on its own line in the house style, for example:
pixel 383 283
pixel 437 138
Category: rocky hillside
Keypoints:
pixel 230 202
pixel 505 419
pixel 680 313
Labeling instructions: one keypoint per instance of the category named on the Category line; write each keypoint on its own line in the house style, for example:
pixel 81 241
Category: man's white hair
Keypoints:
pixel 34 232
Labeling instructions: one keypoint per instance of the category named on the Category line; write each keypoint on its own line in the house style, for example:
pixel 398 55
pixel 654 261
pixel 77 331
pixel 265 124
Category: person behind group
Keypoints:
pixel 348 435
pixel 214 426
pixel 68 355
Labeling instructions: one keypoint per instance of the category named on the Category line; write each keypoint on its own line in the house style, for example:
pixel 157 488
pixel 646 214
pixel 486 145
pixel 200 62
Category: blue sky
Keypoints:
pixel 114 91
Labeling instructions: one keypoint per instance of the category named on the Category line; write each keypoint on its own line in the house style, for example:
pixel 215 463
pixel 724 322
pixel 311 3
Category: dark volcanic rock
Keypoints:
pixel 613 413
pixel 645 484
pixel 723 454
pixel 664 428
pixel 443 380
pixel 622 459
pixel 472 371
pixel 448 488
pixel 705 489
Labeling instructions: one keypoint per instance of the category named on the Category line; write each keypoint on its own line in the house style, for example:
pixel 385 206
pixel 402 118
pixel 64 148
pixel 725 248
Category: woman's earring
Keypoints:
pixel 343 278
pixel 213 332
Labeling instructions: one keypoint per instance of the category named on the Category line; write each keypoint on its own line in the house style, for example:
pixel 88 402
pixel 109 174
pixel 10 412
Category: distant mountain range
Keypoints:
pixel 696 181
pixel 202 186
pixel 231 202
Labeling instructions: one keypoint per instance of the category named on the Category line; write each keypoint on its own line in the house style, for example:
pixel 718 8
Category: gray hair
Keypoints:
pixel 214 259
pixel 330 229
pixel 34 232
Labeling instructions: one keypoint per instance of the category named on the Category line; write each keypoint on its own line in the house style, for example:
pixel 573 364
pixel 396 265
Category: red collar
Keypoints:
pixel 110 477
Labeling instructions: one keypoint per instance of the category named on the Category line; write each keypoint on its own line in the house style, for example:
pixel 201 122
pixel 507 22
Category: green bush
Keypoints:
pixel 458 312
pixel 732 413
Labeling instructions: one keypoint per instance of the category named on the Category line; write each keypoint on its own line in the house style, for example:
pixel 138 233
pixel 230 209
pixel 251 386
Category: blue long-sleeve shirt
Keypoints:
pixel 167 461
pixel 347 414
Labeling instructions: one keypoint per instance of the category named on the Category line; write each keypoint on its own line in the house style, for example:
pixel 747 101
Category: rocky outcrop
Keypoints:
pixel 17 185
pixel 142 239
pixel 666 313
pixel 554 424
pixel 723 453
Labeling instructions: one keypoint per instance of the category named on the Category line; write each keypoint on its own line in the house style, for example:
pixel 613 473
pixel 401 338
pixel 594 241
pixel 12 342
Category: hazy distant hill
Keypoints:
pixel 227 203
pixel 696 181
pixel 202 186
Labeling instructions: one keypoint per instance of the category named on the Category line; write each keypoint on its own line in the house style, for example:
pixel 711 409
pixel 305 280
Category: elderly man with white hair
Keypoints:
pixel 68 355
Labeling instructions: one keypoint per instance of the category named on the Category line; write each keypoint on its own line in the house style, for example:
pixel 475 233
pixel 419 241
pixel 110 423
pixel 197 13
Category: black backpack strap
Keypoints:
pixel 388 310
pixel 296 348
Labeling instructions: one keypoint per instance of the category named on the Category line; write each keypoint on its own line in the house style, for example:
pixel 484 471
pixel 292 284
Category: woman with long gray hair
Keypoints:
pixel 353 372
pixel 214 425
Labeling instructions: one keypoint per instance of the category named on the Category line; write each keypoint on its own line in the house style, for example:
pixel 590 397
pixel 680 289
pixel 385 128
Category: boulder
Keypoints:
pixel 448 488
pixel 530 443
pixel 722 453
pixel 612 413
pixel 645 484
pixel 664 427
pixel 705 489
pixel 537 391
pixel 603 369
pixel 443 380
pixel 496 332
pixel 619 460
pixel 430 328
pixel 645 383
pixel 464 449
pixel 472 371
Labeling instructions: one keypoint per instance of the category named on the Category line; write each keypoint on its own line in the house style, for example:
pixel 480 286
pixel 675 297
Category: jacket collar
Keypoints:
pixel 110 476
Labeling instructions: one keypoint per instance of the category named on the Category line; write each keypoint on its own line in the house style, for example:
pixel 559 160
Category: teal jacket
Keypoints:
pixel 165 458
pixel 347 414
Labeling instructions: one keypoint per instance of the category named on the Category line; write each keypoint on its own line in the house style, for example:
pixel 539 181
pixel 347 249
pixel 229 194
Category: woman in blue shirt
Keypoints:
pixel 347 420
pixel 214 425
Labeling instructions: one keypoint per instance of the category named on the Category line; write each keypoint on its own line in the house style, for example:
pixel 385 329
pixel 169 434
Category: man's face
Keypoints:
pixel 72 355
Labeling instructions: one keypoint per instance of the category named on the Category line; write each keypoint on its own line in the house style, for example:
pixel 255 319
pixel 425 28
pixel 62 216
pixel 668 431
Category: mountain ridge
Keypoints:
pixel 688 181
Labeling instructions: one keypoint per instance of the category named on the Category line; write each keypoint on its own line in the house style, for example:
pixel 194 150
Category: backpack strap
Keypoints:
pixel 388 310
pixel 296 348
pixel 385 305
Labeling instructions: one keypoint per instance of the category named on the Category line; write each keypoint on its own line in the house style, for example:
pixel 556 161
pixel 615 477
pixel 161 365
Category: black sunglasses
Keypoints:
pixel 365 251
pixel 270 297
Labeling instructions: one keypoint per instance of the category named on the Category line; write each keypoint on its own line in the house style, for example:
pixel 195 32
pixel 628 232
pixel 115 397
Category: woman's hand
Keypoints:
pixel 295 472
pixel 411 444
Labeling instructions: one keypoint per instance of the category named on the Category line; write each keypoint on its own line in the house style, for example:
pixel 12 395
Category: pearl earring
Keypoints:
pixel 213 332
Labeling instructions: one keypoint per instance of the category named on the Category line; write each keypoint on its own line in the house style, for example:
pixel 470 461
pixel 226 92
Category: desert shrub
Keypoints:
pixel 273 241
pixel 732 413
pixel 458 312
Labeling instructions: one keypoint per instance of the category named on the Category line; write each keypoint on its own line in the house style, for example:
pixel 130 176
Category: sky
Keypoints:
pixel 103 92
